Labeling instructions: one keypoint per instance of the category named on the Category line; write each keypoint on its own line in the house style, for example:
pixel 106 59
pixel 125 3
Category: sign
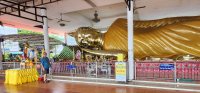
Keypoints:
pixel 71 67
pixel 120 71
pixel 166 66
pixel 120 57
pixel 11 46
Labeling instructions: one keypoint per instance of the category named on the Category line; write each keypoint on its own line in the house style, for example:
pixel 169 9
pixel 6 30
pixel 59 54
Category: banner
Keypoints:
pixel 120 71
pixel 166 66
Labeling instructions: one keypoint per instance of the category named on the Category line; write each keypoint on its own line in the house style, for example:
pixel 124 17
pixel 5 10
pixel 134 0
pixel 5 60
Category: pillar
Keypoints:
pixel 130 42
pixel 1 57
pixel 45 30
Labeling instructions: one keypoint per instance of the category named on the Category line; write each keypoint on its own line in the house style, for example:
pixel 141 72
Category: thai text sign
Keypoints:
pixel 166 66
pixel 120 71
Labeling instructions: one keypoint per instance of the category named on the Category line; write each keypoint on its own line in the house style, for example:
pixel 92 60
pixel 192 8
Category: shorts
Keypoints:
pixel 46 71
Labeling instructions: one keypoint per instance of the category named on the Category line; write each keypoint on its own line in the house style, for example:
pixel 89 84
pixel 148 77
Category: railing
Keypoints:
pixel 12 65
pixel 84 69
pixel 144 70
pixel 189 70
pixel 151 70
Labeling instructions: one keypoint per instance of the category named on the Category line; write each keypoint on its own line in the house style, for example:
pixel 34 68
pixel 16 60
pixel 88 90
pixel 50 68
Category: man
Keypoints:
pixel 45 66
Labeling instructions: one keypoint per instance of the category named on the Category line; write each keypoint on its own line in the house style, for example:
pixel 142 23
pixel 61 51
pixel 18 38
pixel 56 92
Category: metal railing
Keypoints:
pixel 10 65
pixel 84 69
pixel 13 65
pixel 144 70
pixel 151 70
pixel 183 70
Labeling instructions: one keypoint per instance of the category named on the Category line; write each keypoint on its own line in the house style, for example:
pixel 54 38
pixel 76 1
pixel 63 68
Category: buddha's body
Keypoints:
pixel 159 38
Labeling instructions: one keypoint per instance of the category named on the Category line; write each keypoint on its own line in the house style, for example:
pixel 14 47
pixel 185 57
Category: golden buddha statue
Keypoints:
pixel 157 38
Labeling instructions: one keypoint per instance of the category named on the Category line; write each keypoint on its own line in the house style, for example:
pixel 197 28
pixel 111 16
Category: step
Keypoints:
pixel 135 83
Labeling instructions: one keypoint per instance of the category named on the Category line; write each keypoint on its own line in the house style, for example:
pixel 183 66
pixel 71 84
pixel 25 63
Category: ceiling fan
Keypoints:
pixel 60 21
pixel 96 19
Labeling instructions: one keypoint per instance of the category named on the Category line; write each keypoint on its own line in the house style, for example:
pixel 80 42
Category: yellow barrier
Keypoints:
pixel 20 76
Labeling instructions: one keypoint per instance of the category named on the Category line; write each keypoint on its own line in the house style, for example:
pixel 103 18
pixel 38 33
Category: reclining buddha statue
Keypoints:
pixel 159 38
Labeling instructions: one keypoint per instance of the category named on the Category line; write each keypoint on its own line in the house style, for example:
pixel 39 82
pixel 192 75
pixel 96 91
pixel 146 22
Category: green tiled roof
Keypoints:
pixel 66 53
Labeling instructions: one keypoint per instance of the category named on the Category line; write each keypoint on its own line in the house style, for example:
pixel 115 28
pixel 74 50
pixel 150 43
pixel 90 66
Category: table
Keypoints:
pixel 20 76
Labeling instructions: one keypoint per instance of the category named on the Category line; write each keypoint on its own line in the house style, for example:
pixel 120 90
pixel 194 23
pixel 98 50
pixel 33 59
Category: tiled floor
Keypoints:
pixel 67 87
pixel 135 83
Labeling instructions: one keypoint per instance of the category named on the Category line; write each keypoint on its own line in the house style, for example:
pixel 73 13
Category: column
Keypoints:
pixel 65 37
pixel 130 42
pixel 1 57
pixel 45 29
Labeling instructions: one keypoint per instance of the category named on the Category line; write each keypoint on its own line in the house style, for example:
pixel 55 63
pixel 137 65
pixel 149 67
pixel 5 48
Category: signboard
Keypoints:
pixel 166 66
pixel 4 30
pixel 11 46
pixel 120 71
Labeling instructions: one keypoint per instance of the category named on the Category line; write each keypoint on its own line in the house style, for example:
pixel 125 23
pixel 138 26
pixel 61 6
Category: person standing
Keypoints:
pixel 45 66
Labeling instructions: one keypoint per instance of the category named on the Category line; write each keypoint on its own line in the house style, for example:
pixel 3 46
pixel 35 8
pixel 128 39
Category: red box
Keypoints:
pixel 41 79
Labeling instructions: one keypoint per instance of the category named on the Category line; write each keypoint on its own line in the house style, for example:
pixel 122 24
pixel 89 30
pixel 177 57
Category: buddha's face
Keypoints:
pixel 88 37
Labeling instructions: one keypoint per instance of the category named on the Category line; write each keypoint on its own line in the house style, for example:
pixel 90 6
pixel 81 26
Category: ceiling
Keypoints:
pixel 81 12
pixel 33 40
pixel 16 1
